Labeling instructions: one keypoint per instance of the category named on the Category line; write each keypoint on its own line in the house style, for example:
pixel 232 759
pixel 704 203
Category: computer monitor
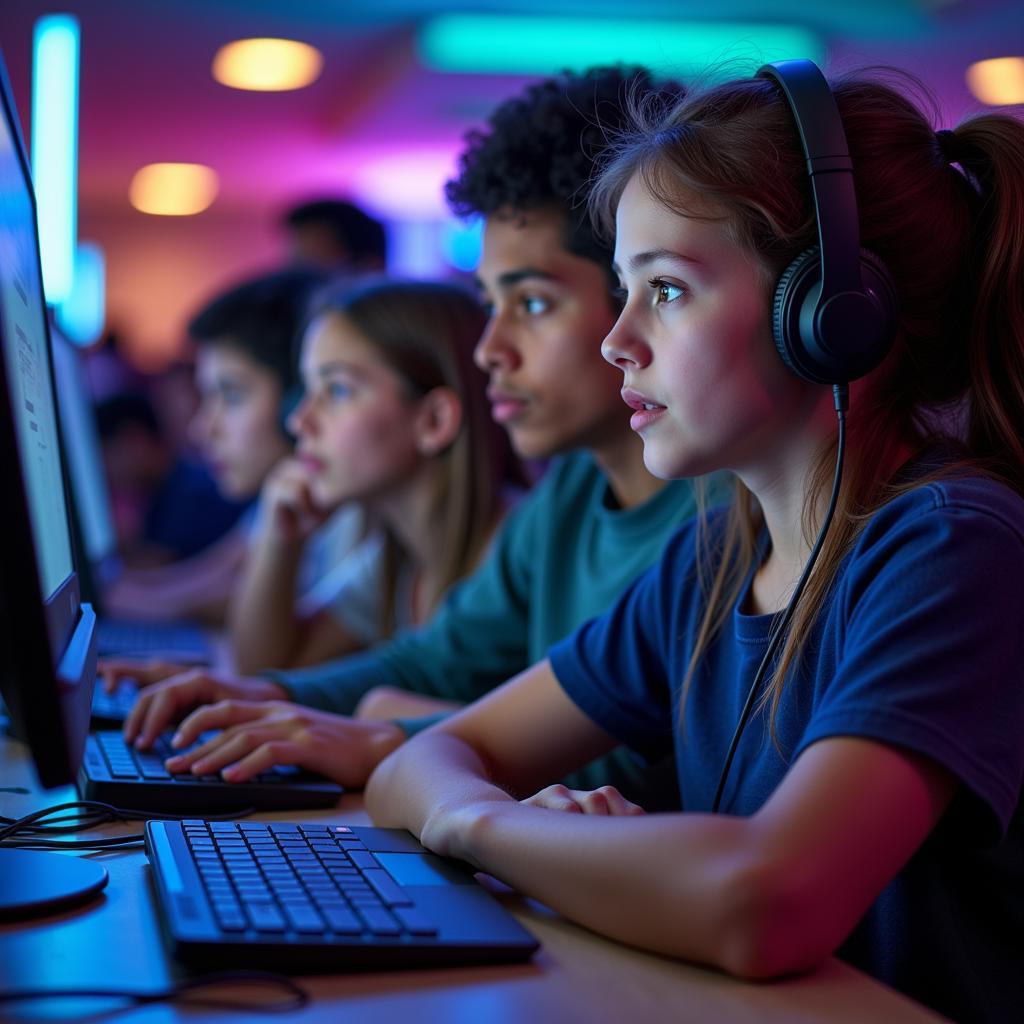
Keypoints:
pixel 89 493
pixel 47 637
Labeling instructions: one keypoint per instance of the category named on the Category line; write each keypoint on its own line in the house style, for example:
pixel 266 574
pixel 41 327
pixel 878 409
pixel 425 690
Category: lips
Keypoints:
pixel 310 462
pixel 646 410
pixel 506 405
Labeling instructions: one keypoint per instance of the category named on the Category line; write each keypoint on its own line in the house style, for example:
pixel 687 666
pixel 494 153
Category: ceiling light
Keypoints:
pixel 997 81
pixel 267 65
pixel 173 190
pixel 513 44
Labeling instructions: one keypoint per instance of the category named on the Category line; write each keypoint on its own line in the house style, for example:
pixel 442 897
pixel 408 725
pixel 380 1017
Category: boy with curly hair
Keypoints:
pixel 595 521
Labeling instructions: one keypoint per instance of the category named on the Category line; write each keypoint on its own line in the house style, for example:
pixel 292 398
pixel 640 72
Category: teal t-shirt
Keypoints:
pixel 562 556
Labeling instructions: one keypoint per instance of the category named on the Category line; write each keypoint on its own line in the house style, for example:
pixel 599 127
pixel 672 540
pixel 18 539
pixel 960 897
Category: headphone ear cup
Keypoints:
pixel 858 328
pixel 798 281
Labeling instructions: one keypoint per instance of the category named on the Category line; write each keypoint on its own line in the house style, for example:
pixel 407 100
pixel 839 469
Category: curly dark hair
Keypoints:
pixel 540 149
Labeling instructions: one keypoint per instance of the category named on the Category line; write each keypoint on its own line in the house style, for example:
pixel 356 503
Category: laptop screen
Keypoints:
pixel 82 445
pixel 23 330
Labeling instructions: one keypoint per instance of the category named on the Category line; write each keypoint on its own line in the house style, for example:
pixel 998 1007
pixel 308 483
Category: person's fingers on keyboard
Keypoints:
pixel 163 705
pixel 232 747
pixel 115 671
pixel 265 756
pixel 219 715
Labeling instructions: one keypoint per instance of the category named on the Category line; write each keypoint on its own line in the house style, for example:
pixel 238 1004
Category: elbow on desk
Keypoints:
pixel 773 923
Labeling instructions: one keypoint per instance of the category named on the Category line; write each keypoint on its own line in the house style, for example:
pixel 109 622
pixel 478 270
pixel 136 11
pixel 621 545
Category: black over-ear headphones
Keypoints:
pixel 835 310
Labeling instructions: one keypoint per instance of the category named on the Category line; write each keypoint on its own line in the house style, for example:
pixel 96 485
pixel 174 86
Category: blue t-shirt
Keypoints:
pixel 919 644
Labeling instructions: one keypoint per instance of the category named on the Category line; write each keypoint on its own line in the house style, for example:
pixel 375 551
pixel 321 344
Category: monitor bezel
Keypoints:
pixel 50 655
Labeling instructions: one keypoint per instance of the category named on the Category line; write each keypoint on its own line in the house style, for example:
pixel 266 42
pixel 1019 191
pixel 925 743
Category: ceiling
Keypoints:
pixel 147 94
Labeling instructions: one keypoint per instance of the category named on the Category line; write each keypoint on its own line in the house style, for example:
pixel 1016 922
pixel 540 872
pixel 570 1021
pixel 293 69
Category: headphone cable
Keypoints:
pixel 841 395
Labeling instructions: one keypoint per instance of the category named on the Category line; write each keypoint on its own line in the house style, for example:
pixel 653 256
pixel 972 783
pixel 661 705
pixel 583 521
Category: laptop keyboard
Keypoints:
pixel 302 880
pixel 124 762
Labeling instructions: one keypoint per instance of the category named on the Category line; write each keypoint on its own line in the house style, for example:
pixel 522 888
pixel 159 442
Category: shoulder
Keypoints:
pixel 950 509
pixel 929 539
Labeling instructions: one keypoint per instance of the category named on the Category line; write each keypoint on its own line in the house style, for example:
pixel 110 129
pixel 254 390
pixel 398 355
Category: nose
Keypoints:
pixel 623 347
pixel 299 418
pixel 496 349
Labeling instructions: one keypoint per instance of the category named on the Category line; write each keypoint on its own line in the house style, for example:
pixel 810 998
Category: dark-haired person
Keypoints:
pixel 336 236
pixel 246 377
pixel 596 520
pixel 165 503
pixel 873 808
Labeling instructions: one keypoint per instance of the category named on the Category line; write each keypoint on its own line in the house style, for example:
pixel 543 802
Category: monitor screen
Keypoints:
pixel 47 637
pixel 82 447
pixel 27 362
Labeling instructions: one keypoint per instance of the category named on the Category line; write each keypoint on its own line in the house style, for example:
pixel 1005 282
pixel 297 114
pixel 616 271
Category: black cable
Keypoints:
pixel 294 998
pixel 33 831
pixel 841 394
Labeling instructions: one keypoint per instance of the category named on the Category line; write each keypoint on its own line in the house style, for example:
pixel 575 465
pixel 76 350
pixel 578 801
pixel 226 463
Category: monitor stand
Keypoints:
pixel 34 883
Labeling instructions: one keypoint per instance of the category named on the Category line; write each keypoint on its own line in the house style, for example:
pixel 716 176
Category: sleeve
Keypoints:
pixel 933 654
pixel 475 640
pixel 616 668
pixel 352 591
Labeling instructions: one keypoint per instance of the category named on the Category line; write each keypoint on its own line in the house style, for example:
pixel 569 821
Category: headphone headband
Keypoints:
pixel 835 307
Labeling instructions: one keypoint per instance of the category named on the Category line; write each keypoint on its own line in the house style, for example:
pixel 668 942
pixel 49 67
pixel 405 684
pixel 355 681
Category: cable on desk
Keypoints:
pixel 34 831
pixel 190 991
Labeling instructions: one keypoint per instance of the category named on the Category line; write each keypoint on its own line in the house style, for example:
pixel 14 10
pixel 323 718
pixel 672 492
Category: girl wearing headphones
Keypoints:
pixel 851 772
pixel 395 419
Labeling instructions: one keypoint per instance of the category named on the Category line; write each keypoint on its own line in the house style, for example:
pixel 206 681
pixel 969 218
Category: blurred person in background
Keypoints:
pixel 395 418
pixel 245 374
pixel 336 236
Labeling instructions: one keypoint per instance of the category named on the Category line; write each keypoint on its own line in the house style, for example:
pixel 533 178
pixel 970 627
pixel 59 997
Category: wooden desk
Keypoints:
pixel 575 977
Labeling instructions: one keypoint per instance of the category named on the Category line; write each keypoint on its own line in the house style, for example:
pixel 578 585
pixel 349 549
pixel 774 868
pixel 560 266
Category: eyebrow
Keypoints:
pixel 338 366
pixel 645 259
pixel 513 277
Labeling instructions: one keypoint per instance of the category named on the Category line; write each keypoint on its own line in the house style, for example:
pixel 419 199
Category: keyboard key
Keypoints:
pixel 303 919
pixel 363 860
pixel 386 888
pixel 342 921
pixel 379 921
pixel 265 916
pixel 414 921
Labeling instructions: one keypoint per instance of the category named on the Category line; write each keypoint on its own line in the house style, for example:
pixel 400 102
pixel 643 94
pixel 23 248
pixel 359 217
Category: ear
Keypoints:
pixel 438 421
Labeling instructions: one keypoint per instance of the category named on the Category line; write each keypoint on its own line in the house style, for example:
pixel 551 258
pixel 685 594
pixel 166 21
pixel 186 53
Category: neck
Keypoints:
pixel 410 513
pixel 621 458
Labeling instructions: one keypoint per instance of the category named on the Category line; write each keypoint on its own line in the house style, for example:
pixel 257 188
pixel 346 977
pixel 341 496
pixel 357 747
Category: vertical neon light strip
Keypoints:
pixel 55 148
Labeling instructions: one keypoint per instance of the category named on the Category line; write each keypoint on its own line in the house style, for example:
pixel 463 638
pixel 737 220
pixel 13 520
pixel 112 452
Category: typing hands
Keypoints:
pixel 168 692
pixel 259 734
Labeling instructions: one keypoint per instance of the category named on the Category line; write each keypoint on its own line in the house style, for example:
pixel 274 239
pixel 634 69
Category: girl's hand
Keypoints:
pixel 292 515
pixel 260 734
pixel 604 801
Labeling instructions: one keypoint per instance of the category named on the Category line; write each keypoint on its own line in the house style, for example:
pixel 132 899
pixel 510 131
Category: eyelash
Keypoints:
pixel 658 284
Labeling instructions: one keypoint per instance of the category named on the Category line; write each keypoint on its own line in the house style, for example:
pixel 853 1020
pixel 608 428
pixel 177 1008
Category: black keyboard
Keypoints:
pixel 116 773
pixel 320 897
pixel 111 709
pixel 176 641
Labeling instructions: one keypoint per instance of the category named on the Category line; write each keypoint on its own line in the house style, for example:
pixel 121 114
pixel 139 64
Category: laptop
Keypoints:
pixel 96 541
